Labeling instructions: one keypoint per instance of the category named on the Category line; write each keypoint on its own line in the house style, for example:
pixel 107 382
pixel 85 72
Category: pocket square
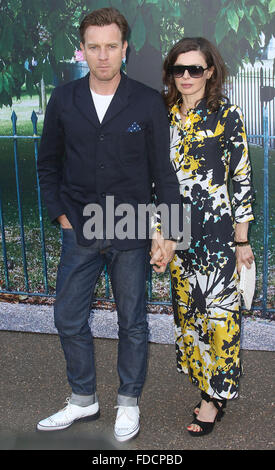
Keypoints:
pixel 135 127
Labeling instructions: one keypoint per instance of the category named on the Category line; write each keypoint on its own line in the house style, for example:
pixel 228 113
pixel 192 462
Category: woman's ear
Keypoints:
pixel 210 72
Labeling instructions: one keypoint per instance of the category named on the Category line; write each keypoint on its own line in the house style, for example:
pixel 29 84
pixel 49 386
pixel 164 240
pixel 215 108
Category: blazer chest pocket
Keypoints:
pixel 131 146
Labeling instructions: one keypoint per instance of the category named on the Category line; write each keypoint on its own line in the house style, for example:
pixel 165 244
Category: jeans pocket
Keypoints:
pixel 67 231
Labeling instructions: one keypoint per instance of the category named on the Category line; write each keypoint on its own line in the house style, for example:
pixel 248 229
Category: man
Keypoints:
pixel 114 136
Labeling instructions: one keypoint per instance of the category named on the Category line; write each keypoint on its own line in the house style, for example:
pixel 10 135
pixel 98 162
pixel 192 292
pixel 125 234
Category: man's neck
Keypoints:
pixel 107 87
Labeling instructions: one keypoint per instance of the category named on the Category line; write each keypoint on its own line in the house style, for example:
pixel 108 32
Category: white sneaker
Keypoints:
pixel 127 422
pixel 65 417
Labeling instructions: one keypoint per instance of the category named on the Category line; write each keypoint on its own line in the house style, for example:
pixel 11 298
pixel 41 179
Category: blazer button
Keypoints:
pixel 103 194
pixel 101 137
pixel 102 166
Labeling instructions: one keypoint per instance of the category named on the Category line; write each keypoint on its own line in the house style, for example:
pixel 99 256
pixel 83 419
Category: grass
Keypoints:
pixel 29 197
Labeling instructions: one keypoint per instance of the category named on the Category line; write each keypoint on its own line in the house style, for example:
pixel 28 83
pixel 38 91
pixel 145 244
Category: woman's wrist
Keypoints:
pixel 241 242
pixel 241 234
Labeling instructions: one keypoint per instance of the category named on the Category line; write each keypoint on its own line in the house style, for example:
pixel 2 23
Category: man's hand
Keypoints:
pixel 64 222
pixel 157 258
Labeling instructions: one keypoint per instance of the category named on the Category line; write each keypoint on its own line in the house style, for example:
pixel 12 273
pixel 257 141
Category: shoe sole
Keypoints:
pixel 127 437
pixel 60 428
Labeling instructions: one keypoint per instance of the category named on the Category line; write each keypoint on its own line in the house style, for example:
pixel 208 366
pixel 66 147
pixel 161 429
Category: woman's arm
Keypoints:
pixel 240 172
pixel 244 254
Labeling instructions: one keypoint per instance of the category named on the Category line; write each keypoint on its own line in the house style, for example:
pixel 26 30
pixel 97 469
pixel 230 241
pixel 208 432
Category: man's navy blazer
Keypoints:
pixel 81 161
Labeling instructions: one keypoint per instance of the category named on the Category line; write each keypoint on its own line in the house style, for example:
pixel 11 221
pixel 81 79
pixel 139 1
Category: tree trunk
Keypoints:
pixel 43 95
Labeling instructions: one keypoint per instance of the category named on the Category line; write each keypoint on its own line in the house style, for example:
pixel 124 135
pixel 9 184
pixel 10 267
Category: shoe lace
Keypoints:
pixel 67 401
pixel 64 410
pixel 123 410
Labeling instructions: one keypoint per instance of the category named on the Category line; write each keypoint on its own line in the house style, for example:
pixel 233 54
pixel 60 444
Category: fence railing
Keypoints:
pixel 5 285
pixel 244 89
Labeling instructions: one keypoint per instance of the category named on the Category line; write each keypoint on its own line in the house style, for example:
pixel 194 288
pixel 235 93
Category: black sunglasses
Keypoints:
pixel 195 71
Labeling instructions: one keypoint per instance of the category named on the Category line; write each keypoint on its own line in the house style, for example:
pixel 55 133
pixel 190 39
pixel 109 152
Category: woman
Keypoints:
pixel 208 144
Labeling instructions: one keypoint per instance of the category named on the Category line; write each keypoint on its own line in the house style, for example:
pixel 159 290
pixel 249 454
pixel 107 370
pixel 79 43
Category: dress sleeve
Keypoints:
pixel 239 166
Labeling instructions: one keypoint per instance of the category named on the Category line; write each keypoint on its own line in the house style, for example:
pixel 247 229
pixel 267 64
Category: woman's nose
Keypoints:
pixel 186 74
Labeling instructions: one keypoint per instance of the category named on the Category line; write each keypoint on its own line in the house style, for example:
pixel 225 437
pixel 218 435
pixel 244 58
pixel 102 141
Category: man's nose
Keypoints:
pixel 103 54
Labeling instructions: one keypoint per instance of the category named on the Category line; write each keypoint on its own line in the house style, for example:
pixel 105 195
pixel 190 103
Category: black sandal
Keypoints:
pixel 197 406
pixel 207 427
pixel 203 395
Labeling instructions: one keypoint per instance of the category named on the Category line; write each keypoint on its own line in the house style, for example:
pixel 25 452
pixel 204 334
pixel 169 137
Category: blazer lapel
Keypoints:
pixel 119 101
pixel 84 101
pixel 85 104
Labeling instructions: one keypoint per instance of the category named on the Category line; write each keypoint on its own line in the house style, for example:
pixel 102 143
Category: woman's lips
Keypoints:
pixel 186 85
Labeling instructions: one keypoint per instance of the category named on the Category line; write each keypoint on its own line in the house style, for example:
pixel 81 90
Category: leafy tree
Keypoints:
pixel 47 31
pixel 34 36
pixel 233 25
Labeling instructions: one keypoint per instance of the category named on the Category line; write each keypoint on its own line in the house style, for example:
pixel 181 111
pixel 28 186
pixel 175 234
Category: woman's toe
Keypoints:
pixel 193 427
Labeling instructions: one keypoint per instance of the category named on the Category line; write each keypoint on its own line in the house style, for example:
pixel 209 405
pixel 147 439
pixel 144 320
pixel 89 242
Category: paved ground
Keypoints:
pixel 33 385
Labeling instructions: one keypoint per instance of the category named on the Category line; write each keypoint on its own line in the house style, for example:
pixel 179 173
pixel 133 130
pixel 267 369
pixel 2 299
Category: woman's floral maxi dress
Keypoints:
pixel 209 149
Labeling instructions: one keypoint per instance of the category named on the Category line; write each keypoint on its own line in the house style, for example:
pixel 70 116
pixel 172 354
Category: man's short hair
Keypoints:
pixel 104 17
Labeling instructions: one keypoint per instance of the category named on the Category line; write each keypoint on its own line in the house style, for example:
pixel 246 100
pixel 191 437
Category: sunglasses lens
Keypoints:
pixel 178 71
pixel 195 71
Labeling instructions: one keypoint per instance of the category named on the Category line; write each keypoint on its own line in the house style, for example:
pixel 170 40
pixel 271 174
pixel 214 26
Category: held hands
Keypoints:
pixel 162 252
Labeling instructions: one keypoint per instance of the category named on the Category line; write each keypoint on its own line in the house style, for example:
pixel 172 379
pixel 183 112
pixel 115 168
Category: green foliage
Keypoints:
pixel 48 32
pixel 138 35
pixel 34 30
pixel 233 25
pixel 271 7
pixel 240 23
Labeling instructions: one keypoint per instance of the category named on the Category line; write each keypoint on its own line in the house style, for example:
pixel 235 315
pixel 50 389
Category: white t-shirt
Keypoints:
pixel 101 103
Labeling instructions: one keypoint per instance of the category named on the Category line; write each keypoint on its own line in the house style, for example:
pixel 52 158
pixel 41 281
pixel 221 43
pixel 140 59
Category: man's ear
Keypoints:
pixel 82 49
pixel 124 48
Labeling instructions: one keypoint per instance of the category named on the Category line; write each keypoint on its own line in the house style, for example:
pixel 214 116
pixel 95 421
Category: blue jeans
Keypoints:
pixel 77 275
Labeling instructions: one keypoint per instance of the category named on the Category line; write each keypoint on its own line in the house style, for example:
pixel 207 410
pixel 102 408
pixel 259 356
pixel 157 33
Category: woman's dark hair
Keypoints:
pixel 214 85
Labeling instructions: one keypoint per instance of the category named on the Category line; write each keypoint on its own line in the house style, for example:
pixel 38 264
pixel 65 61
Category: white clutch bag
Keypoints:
pixel 247 284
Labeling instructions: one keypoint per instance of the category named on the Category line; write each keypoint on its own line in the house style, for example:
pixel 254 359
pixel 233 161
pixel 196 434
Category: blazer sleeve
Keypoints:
pixel 239 167
pixel 50 158
pixel 166 184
